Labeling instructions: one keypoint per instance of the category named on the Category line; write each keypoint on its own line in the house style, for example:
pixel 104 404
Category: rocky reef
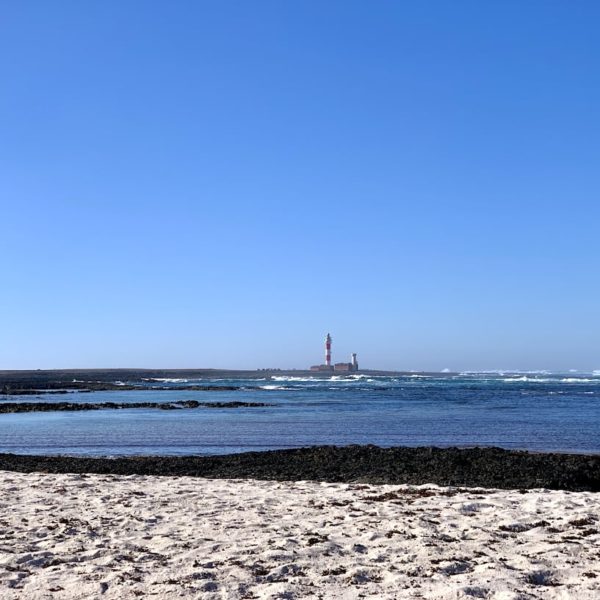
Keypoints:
pixel 468 467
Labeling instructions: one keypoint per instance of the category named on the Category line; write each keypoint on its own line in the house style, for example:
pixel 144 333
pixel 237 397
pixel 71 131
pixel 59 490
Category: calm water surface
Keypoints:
pixel 545 412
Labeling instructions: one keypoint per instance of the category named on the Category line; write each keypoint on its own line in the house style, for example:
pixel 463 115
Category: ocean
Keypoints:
pixel 530 411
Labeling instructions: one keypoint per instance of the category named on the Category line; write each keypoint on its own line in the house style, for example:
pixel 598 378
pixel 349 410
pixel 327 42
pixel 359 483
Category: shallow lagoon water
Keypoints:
pixel 541 412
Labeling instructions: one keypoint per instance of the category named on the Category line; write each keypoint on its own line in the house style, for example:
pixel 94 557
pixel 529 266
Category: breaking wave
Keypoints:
pixel 274 387
pixel 167 380
pixel 549 380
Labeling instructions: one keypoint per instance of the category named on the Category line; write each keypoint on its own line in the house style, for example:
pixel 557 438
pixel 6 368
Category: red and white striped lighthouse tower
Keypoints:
pixel 328 350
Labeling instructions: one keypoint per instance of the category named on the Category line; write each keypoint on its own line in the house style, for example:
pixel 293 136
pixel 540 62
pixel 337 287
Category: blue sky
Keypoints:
pixel 218 184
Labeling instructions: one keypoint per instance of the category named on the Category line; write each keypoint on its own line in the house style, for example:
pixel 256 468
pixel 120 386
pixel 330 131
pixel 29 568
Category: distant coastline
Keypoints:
pixel 63 381
pixel 47 376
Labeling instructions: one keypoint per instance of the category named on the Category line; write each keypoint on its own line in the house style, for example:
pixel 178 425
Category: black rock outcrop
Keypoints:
pixel 471 467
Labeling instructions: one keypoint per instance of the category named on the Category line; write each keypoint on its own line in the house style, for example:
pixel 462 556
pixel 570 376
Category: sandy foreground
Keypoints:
pixel 110 536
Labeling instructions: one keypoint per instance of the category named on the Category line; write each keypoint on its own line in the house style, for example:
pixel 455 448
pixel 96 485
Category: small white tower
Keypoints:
pixel 354 362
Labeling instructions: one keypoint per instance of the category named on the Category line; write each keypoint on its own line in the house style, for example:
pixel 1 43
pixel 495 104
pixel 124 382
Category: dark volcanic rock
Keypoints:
pixel 21 407
pixel 97 386
pixel 473 467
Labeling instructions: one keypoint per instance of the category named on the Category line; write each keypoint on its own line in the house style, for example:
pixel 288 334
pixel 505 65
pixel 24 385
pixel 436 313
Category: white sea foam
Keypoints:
pixel 292 378
pixel 333 378
pixel 273 387
pixel 524 378
pixel 503 372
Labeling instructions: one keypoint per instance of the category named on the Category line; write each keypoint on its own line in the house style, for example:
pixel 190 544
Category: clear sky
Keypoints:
pixel 219 183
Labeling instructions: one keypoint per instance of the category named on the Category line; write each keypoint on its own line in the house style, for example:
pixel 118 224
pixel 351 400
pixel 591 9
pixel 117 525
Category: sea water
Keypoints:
pixel 534 411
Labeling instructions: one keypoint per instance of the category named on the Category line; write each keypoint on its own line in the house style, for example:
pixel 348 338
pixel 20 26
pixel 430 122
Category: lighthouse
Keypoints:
pixel 328 366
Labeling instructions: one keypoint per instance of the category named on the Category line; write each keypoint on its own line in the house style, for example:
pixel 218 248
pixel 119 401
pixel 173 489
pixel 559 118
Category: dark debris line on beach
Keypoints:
pixel 22 407
pixel 472 467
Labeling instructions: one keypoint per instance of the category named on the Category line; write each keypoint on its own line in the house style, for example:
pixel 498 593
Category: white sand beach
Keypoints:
pixel 107 536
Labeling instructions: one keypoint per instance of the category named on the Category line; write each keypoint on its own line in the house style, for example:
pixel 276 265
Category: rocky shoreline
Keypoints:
pixel 26 407
pixel 33 383
pixel 99 386
pixel 469 467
